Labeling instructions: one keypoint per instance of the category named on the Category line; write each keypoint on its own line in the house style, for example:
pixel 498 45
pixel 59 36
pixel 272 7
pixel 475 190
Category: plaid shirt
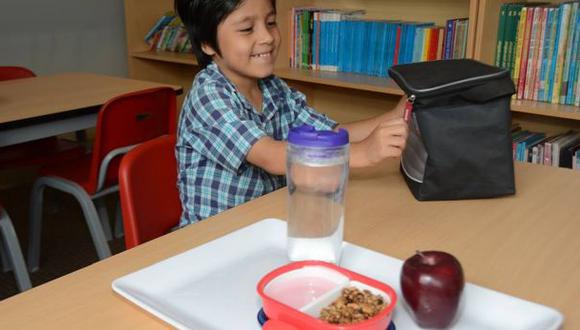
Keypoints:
pixel 217 128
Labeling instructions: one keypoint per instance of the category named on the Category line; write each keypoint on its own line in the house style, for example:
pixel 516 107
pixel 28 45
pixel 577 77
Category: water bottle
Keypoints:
pixel 316 174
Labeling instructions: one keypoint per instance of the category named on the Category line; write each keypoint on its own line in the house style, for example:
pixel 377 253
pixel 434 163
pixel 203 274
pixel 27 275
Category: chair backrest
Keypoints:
pixel 128 120
pixel 15 72
pixel 148 190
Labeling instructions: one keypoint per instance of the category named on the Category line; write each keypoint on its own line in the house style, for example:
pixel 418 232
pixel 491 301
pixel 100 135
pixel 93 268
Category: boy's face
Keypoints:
pixel 248 40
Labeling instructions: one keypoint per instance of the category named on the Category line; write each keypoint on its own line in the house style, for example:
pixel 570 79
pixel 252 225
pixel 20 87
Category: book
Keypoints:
pixel 522 147
pixel 560 143
pixel 567 151
pixel 558 61
pixel 539 53
pixel 568 54
pixel 519 47
pixel 449 41
pixel 528 13
pixel 574 60
pixel 548 46
pixel 548 149
pixel 158 26
pixel 501 31
pixel 532 54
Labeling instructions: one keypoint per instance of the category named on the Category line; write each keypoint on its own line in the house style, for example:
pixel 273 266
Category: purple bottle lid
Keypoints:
pixel 307 135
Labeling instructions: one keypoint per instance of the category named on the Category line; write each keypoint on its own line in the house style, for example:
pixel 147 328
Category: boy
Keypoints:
pixel 231 138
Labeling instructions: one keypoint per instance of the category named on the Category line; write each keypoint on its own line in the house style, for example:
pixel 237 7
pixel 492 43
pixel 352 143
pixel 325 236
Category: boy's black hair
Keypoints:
pixel 201 19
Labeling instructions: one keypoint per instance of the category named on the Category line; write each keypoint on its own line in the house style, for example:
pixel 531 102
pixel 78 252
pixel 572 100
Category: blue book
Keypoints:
pixel 380 56
pixel 378 48
pixel 372 46
pixel 418 44
pixel 325 41
pixel 548 95
pixel 351 40
pixel 575 58
pixel 159 25
pixel 523 144
pixel 391 39
pixel 315 41
pixel 545 52
pixel 403 45
pixel 343 45
pixel 449 29
pixel 367 44
pixel 568 54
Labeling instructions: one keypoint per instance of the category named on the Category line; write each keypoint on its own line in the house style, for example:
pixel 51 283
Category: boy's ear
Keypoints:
pixel 208 50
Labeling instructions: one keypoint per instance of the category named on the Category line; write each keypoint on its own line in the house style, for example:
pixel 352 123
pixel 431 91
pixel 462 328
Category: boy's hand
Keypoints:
pixel 387 140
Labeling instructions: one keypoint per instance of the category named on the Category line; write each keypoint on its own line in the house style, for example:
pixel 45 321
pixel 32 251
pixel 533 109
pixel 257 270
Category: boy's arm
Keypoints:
pixel 361 129
pixel 269 154
pixel 387 140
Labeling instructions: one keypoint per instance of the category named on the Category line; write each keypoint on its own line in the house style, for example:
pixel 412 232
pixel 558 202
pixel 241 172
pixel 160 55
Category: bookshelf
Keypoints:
pixel 551 118
pixel 345 96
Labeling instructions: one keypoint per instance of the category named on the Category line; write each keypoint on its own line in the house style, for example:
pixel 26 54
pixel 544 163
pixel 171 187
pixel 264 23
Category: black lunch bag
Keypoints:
pixel 459 144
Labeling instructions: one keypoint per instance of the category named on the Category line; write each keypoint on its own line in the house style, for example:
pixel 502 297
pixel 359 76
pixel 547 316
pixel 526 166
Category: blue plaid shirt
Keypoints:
pixel 217 128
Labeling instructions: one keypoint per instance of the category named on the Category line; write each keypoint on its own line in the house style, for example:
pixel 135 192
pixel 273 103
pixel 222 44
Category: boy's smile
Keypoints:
pixel 248 40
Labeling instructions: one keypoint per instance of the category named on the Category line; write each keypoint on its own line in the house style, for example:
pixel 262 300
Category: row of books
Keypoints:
pixel 540 45
pixel 343 40
pixel 168 34
pixel 560 150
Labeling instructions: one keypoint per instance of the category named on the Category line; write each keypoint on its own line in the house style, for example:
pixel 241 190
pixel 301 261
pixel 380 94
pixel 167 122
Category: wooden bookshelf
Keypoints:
pixel 344 96
pixel 541 116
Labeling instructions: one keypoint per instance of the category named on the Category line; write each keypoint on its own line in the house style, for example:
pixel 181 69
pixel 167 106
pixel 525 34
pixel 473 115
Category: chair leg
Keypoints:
pixel 6 267
pixel 14 252
pixel 119 230
pixel 104 217
pixel 35 224
pixel 89 211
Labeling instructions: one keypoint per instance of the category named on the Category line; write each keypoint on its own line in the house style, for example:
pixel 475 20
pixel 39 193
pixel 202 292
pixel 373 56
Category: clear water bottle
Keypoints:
pixel 316 174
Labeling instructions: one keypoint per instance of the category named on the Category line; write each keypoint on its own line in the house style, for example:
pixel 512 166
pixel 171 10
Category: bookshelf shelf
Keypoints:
pixel 341 79
pixel 163 56
pixel 338 79
pixel 546 109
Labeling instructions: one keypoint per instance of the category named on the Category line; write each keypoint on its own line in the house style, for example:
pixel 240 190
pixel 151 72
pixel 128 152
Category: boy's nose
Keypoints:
pixel 266 35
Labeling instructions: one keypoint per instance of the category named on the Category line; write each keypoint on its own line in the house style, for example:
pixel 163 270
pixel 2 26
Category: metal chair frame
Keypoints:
pixel 11 253
pixel 93 208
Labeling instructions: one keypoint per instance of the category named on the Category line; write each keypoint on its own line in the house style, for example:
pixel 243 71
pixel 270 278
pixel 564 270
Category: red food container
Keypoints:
pixel 293 295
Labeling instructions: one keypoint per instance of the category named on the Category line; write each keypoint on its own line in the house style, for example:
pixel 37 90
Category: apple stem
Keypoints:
pixel 420 253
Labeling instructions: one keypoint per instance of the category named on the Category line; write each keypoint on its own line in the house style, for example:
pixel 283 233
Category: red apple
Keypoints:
pixel 432 283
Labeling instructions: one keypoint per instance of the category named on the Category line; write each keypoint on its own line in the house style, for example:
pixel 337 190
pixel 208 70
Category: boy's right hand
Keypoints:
pixel 387 140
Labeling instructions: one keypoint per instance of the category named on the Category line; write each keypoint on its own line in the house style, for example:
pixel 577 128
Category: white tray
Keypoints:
pixel 213 286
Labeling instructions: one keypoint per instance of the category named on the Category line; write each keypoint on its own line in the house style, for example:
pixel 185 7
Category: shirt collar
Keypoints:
pixel 271 93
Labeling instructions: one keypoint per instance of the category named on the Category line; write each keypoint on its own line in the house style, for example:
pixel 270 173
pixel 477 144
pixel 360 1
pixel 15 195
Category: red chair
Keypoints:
pixel 11 253
pixel 122 123
pixel 15 72
pixel 148 191
pixel 40 152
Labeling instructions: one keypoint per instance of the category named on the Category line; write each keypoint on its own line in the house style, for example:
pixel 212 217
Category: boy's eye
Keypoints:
pixel 248 29
pixel 272 23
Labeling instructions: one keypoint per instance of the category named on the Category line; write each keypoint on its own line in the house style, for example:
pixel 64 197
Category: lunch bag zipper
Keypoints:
pixel 459 82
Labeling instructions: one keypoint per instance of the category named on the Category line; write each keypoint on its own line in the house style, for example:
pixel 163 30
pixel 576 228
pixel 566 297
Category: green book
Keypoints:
pixel 500 35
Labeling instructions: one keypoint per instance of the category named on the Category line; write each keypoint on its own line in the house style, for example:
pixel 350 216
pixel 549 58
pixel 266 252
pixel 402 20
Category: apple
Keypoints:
pixel 432 283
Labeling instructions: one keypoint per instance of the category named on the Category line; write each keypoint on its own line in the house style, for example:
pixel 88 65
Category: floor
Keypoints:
pixel 66 242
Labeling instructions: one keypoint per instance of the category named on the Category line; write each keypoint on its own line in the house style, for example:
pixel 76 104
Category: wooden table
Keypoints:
pixel 526 245
pixel 42 106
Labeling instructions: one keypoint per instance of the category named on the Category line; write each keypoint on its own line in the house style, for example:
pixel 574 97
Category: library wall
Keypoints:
pixel 64 35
